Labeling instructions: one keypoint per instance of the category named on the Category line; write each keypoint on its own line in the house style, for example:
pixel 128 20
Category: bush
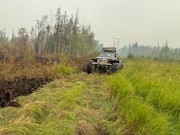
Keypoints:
pixel 62 69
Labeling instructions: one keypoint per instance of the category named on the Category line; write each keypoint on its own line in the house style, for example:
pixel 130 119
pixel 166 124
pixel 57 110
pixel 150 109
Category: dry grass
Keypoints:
pixel 73 104
pixel 85 128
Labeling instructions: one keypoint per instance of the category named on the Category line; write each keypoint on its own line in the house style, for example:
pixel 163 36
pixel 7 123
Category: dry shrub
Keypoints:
pixel 81 62
pixel 85 128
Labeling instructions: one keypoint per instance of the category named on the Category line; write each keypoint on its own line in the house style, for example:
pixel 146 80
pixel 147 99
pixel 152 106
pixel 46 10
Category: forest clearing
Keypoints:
pixel 57 77
pixel 135 100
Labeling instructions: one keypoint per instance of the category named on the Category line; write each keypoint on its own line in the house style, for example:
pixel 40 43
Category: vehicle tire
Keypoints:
pixel 89 67
pixel 115 67
pixel 109 70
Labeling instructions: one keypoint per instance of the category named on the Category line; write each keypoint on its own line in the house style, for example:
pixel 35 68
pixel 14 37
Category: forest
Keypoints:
pixel 158 52
pixel 66 35
pixel 30 59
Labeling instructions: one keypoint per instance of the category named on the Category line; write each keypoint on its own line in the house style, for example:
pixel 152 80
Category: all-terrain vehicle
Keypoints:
pixel 107 61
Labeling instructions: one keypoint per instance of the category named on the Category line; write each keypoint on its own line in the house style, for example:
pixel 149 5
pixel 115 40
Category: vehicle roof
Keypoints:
pixel 109 49
pixel 112 58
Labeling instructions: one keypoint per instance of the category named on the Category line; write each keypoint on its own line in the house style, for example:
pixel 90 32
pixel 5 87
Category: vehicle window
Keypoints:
pixel 107 54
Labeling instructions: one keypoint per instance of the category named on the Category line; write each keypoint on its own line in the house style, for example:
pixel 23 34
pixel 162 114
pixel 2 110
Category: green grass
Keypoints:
pixel 48 111
pixel 142 99
pixel 70 105
pixel 64 70
pixel 146 96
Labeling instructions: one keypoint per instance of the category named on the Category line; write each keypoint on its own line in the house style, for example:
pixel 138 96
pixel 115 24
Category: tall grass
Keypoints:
pixel 50 111
pixel 147 98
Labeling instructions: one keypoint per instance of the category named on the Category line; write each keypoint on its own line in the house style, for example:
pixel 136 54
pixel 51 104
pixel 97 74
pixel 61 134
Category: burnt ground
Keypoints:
pixel 19 86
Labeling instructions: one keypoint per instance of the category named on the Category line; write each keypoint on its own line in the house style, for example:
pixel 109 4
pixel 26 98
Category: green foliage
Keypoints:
pixel 147 98
pixel 66 36
pixel 63 69
pixel 130 55
pixel 141 118
pixel 120 87
pixel 3 38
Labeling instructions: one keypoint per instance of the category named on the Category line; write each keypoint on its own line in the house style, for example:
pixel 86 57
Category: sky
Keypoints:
pixel 148 22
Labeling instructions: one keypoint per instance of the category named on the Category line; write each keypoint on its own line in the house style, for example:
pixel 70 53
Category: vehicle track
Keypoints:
pixel 76 104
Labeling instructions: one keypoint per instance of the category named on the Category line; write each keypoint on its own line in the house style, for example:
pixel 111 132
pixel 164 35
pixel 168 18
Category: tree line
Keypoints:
pixel 163 52
pixel 66 36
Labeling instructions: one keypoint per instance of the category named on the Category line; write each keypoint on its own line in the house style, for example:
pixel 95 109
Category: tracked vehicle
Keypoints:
pixel 107 61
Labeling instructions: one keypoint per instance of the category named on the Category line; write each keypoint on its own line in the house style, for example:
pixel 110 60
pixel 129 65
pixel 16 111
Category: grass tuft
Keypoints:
pixel 146 97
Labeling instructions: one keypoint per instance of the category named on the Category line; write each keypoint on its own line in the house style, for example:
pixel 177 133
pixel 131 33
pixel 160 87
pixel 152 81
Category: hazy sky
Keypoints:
pixel 143 21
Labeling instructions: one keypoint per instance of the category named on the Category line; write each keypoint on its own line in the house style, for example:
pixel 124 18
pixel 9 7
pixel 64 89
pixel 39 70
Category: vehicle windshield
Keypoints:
pixel 107 54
